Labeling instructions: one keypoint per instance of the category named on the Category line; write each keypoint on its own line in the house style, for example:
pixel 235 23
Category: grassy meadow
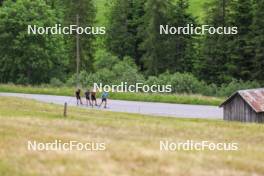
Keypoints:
pixel 132 143
pixel 164 98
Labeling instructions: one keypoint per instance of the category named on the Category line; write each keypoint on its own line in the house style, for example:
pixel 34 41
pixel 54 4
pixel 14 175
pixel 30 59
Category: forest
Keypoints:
pixel 132 49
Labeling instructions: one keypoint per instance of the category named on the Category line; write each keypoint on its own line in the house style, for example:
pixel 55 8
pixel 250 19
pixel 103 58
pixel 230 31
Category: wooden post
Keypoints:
pixel 65 110
pixel 77 51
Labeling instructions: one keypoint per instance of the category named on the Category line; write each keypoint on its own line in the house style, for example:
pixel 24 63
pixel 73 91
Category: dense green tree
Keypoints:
pixel 182 52
pixel 58 6
pixel 133 30
pixel 215 61
pixel 258 37
pixel 120 35
pixel 28 58
pixel 168 52
pixel 53 3
pixel 242 49
pixel 154 44
pixel 124 28
pixel 138 30
pixel 86 11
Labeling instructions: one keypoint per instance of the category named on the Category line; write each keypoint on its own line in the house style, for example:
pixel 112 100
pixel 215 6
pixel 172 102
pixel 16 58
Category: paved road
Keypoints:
pixel 157 109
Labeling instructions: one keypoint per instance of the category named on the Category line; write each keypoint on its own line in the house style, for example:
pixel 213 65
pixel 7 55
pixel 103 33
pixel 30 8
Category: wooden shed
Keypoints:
pixel 245 106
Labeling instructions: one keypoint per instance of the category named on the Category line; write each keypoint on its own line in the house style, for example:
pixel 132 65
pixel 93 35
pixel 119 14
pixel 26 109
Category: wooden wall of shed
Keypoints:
pixel 238 110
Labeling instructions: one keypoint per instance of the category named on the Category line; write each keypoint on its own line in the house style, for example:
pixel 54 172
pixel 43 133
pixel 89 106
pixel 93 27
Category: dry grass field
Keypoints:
pixel 132 143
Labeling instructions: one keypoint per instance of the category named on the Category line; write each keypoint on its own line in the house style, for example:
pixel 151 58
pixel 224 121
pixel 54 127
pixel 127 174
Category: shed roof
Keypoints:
pixel 253 97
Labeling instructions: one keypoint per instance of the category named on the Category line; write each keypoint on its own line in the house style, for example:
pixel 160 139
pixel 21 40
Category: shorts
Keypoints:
pixel 103 99
pixel 78 97
pixel 93 97
pixel 87 98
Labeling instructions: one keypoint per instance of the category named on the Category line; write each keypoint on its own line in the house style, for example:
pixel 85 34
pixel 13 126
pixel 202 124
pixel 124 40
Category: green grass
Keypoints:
pixel 132 143
pixel 164 98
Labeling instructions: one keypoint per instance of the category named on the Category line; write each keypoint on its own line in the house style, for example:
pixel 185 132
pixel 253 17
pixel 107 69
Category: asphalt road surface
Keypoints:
pixel 147 108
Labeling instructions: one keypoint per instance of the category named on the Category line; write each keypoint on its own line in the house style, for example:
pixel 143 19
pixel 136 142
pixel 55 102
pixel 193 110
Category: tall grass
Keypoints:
pixel 132 143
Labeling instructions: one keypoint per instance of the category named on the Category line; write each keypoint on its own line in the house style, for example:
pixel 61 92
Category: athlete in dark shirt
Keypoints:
pixel 93 97
pixel 78 96
pixel 87 96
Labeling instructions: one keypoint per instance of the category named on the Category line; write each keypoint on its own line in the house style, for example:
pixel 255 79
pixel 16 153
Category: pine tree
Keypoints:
pixel 155 45
pixel 258 40
pixel 182 51
pixel 120 35
pixel 215 62
pixel 123 31
pixel 242 48
pixel 138 26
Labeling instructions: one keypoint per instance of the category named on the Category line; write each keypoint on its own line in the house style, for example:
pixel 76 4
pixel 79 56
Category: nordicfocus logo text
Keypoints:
pixel 190 145
pixel 138 87
pixel 66 30
pixel 58 145
pixel 190 29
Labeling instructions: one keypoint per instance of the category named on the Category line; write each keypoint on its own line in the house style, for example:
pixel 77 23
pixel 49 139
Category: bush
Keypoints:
pixel 122 71
pixel 55 82
pixel 110 70
pixel 209 90
pixel 105 60
pixel 22 80
pixel 186 83
pixel 152 80
pixel 105 76
pixel 127 71
pixel 85 79
pixel 181 82
pixel 235 85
